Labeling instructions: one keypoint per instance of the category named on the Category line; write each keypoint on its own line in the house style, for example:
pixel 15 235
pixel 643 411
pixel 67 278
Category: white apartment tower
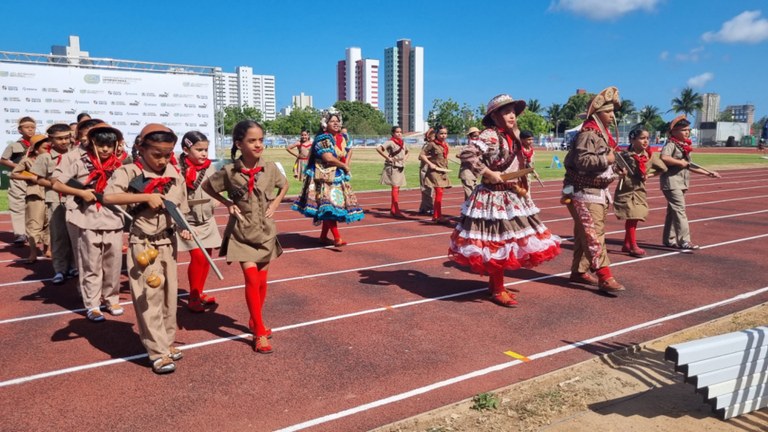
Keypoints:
pixel 301 101
pixel 357 78
pixel 243 88
pixel 404 86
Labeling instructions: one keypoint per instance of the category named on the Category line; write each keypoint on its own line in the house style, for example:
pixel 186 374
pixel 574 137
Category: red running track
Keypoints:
pixel 377 331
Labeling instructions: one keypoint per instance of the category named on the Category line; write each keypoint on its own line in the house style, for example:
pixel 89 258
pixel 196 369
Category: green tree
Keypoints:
pixel 576 105
pixel 456 118
pixel 233 114
pixel 298 120
pixel 534 106
pixel 361 118
pixel 725 116
pixel 532 122
pixel 688 102
pixel 555 116
pixel 651 119
pixel 627 109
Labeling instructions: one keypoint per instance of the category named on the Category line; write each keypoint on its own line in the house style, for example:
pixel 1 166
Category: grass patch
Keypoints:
pixel 485 401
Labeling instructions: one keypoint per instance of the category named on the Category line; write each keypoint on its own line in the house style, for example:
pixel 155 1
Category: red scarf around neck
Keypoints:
pixel 251 173
pixel 444 145
pixel 642 160
pixel 25 142
pixel 192 171
pixel 684 145
pixel 591 124
pixel 102 171
pixel 398 141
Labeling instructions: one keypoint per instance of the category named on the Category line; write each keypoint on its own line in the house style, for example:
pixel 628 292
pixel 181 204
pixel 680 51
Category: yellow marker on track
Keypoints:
pixel 517 356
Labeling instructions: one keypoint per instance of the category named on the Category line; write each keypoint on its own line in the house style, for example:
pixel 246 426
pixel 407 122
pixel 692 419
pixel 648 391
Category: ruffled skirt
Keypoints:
pixel 499 230
pixel 328 201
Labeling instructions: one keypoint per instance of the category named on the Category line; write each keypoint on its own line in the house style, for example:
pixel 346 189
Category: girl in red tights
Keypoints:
pixel 435 155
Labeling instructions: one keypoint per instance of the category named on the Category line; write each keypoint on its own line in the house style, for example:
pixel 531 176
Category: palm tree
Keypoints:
pixel 627 108
pixel 689 102
pixel 648 114
pixel 533 106
pixel 555 114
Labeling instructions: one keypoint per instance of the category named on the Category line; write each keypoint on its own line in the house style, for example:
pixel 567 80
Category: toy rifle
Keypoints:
pixel 697 166
pixel 623 164
pixel 177 217
pixel 76 184
pixel 535 174
pixel 515 174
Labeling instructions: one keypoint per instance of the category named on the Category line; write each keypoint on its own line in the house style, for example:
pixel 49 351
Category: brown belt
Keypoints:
pixel 167 233
pixel 498 187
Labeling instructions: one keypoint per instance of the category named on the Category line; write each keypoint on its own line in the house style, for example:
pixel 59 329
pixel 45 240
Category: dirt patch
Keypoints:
pixel 629 390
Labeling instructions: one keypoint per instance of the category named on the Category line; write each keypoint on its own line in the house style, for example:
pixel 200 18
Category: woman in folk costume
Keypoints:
pixel 327 195
pixel 395 154
pixel 499 227
pixel 676 155
pixel 630 201
pixel 588 173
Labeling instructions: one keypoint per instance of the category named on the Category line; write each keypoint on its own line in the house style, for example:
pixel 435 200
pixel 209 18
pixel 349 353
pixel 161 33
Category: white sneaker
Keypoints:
pixel 95 315
pixel 115 309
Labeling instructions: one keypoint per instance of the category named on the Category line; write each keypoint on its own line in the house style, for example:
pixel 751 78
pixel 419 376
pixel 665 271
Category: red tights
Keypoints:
pixel 197 272
pixel 630 238
pixel 496 282
pixel 333 226
pixel 438 206
pixel 395 206
pixel 255 294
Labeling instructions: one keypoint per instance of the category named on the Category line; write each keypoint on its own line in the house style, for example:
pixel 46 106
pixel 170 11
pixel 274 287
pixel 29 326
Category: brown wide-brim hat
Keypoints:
pixel 473 130
pixel 36 139
pixel 676 120
pixel 609 96
pixel 106 128
pixel 499 101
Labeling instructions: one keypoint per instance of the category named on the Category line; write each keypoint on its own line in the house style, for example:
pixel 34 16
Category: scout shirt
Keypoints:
pixel 16 151
pixel 146 221
pixel 43 167
pixel 437 156
pixel 33 189
pixel 675 177
pixel 75 164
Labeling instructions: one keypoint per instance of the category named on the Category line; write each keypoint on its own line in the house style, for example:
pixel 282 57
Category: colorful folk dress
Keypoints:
pixel 327 194
pixel 499 226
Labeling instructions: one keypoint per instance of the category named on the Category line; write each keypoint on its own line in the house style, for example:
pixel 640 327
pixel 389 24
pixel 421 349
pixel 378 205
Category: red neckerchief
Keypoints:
pixel 398 141
pixel 192 170
pixel 157 185
pixel 527 154
pixel 339 138
pixel 444 145
pixel 642 159
pixel 685 146
pixel 591 125
pixel 251 173
pixel 101 171
pixel 25 143
pixel 122 156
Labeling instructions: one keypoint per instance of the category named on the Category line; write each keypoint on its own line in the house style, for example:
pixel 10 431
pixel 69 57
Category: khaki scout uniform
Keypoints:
pixel 432 178
pixel 200 216
pixel 427 203
pixel 393 173
pixel 35 217
pixel 62 253
pixel 155 307
pixel 674 184
pixel 255 238
pixel 587 169
pixel 18 188
pixel 97 237
pixel 630 200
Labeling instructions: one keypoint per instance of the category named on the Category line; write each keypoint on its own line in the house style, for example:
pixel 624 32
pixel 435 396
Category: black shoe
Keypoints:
pixel 20 240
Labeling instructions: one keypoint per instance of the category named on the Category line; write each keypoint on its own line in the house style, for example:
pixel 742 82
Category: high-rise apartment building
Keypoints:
pixel 301 101
pixel 742 113
pixel 357 78
pixel 710 108
pixel 243 88
pixel 404 86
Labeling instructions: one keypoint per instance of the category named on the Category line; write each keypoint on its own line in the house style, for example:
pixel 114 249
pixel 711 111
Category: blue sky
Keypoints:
pixel 542 49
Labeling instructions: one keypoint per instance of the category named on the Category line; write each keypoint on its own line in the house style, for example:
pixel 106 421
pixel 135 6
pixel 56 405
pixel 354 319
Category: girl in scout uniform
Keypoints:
pixel 12 155
pixel 676 155
pixel 35 218
pixel 303 146
pixel 145 185
pixel 395 153
pixel 327 195
pixel 195 168
pixel 434 154
pixel 96 232
pixel 255 188
pixel 630 202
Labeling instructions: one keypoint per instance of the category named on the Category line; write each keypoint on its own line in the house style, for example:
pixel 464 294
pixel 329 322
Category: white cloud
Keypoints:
pixel 664 55
pixel 693 55
pixel 602 9
pixel 744 27
pixel 700 80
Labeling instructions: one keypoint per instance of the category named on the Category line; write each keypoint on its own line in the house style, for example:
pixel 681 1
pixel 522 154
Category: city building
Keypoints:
pixel 301 101
pixel 710 109
pixel 72 51
pixel 357 79
pixel 404 86
pixel 742 113
pixel 243 88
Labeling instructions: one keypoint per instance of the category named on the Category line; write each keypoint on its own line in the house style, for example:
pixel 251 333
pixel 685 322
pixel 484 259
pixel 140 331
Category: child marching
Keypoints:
pixel 395 154
pixel 35 217
pixel 145 185
pixel 195 168
pixel 434 155
pixel 254 188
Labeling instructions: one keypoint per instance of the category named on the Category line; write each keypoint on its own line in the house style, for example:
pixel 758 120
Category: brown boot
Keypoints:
pixel 583 278
pixel 610 285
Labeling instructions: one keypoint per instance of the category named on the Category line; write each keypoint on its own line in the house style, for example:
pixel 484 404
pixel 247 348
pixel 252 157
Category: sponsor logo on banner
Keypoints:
pixel 30 111
pixel 182 95
pixel 91 91
pixel 116 113
pixel 12 110
pixel 120 123
pixel 165 114
pixel 22 75
pixel 119 103
pixel 29 89
pixel 97 112
pixel 3 73
pixel 134 103
pixel 12 99
pixel 202 96
pixel 205 105
pixel 194 84
pixel 50 90
pixel 132 113
pixel 11 88
pixel 82 102
pixel 34 100
pixel 51 100
pixel 115 93
pixel 149 114
pixel 183 114
pixel 190 124
pixel 163 94
pixel 131 93
pixel 92 79
pixel 190 106
pixel 203 115
pixel 70 111
pixel 135 123
pixel 52 111
pixel 148 94
pixel 69 90
pixel 171 105
pixel 149 104
pixel 99 102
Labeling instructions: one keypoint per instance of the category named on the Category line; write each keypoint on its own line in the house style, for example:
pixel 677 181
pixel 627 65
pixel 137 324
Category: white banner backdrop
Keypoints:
pixel 127 100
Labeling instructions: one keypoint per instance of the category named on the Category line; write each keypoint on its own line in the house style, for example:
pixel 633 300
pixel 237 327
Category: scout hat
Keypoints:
pixel 606 100
pixel 499 101
pixel 105 127
pixel 681 118
pixel 152 128
pixel 473 130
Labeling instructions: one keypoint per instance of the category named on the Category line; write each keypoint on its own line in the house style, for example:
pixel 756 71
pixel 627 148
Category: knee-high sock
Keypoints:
pixel 334 226
pixel 324 230
pixel 496 282
pixel 197 273
pixel 604 273
pixel 630 238
pixel 263 287
pixel 438 207
pixel 395 207
pixel 253 299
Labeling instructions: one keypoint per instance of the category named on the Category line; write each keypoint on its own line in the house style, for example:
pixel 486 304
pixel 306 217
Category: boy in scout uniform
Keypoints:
pixel 35 218
pixel 18 189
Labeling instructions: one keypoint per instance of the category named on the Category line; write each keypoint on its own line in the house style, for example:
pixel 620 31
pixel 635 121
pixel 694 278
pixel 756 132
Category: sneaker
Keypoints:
pixel 95 315
pixel 71 273
pixel 163 365
pixel 58 279
pixel 115 309
pixel 610 285
pixel 20 239
pixel 689 246
pixel 175 354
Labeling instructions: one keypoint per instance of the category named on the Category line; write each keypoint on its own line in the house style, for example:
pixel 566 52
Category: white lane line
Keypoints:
pixel 499 367
pixel 73 369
